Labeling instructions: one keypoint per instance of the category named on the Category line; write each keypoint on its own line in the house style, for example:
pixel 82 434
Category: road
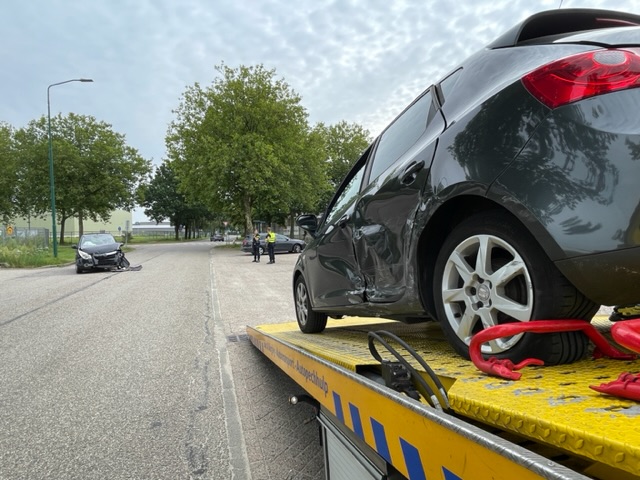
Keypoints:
pixel 149 374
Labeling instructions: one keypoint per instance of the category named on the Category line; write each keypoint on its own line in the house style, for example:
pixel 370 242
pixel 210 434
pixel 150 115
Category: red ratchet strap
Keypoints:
pixel 626 386
pixel 627 334
pixel 505 368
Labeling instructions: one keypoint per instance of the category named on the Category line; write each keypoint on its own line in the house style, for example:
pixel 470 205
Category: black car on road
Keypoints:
pixel 508 191
pixel 99 251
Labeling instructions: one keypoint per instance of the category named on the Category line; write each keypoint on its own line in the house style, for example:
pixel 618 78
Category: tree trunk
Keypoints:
pixel 248 222
pixel 80 224
pixel 63 219
pixel 176 228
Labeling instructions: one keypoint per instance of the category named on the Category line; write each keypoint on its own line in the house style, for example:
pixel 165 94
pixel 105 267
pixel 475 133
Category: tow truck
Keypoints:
pixel 394 401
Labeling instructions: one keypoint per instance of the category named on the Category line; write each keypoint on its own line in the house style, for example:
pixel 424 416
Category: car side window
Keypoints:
pixel 349 192
pixel 402 134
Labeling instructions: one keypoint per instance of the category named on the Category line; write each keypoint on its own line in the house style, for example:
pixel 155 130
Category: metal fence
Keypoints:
pixel 33 237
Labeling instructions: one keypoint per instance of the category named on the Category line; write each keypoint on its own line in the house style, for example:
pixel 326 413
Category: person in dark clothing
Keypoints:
pixel 255 246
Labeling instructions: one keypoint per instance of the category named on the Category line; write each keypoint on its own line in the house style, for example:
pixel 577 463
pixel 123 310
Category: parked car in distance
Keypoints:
pixel 507 191
pixel 283 244
pixel 217 237
pixel 99 251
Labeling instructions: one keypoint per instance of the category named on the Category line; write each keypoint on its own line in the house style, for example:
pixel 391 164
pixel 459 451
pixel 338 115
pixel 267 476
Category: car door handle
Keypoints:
pixel 411 172
pixel 343 220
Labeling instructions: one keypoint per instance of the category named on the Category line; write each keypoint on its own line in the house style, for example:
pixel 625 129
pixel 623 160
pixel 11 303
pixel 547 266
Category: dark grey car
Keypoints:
pixel 99 251
pixel 508 191
pixel 283 244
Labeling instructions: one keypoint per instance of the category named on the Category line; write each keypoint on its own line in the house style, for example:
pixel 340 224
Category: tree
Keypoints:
pixel 310 184
pixel 32 192
pixel 95 171
pixel 343 146
pixel 162 199
pixel 241 145
pixel 344 143
pixel 8 173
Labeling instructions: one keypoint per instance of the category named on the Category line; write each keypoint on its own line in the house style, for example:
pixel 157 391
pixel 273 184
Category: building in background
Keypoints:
pixel 119 223
pixel 162 229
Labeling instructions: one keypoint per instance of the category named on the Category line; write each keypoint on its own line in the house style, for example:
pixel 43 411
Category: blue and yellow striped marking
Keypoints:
pixel 410 453
pixel 380 438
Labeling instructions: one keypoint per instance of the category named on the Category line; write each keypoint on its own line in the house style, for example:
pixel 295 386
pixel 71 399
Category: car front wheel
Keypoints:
pixel 296 248
pixel 308 320
pixel 490 271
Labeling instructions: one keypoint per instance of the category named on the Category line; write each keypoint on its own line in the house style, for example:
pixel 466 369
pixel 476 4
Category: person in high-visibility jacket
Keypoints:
pixel 271 244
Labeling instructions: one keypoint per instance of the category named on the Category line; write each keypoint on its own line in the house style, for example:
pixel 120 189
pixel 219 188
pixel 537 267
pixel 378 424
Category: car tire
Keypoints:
pixel 308 320
pixel 471 294
pixel 261 249
pixel 296 248
pixel 78 269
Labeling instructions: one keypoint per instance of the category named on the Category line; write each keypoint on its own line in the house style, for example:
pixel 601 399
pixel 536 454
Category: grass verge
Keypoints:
pixel 14 255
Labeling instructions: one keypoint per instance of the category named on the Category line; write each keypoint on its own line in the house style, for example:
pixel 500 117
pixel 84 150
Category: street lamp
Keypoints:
pixel 51 181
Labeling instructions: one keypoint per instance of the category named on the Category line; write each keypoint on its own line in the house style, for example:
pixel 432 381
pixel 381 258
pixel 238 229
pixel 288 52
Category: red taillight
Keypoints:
pixel 584 75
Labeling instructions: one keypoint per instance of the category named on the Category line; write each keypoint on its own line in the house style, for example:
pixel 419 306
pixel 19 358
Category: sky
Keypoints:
pixel 361 61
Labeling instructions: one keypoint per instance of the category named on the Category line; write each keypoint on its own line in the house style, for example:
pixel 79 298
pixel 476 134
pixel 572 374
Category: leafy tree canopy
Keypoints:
pixel 95 171
pixel 8 173
pixel 344 144
pixel 162 200
pixel 242 146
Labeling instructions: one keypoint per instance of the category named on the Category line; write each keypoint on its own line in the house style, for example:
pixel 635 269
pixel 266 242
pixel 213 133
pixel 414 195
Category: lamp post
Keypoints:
pixel 51 180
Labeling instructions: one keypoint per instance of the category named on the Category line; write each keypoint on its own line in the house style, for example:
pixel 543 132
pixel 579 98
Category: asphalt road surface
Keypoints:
pixel 149 374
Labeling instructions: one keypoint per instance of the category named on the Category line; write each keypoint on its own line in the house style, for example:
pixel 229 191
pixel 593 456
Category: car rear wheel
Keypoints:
pixel 261 249
pixel 490 271
pixel 308 320
pixel 296 248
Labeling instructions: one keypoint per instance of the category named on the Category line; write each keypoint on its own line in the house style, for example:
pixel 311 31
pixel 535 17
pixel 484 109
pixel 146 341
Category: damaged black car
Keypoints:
pixel 99 251
pixel 506 192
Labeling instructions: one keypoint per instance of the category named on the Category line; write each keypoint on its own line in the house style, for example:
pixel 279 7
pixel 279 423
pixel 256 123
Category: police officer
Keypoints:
pixel 255 246
pixel 271 243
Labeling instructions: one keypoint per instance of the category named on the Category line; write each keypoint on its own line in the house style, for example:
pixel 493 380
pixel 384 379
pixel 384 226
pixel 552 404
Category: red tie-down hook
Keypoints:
pixel 627 334
pixel 505 368
pixel 626 386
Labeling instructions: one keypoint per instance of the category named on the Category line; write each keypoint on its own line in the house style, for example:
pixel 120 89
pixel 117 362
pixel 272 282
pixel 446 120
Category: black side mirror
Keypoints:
pixel 309 223
pixel 74 246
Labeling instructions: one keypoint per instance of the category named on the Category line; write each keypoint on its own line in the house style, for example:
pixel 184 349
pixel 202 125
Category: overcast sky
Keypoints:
pixel 360 61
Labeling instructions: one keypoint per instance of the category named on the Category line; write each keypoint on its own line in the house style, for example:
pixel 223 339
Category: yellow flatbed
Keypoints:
pixel 548 424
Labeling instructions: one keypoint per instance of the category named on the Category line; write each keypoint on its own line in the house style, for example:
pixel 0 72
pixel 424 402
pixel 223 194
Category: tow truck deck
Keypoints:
pixel 549 424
